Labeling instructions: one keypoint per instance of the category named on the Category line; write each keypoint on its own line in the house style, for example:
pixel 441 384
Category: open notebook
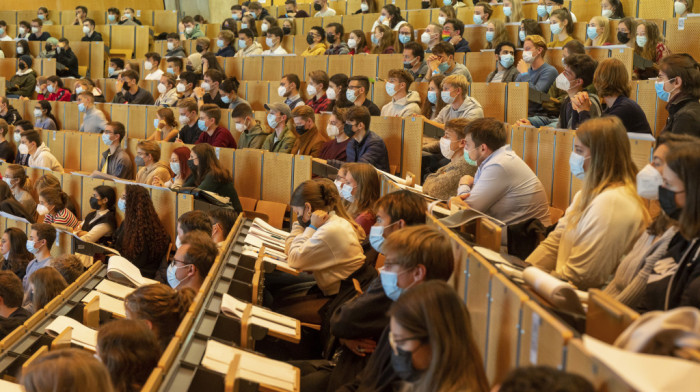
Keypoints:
pixel 123 271
pixel 82 335
pixel 267 372
pixel 274 322
pixel 114 289
pixel 559 293
pixel 7 386
pixel 107 303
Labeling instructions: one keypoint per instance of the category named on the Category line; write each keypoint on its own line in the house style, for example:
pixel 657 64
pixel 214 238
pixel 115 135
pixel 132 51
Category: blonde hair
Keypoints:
pixel 603 38
pixel 66 370
pixel 457 81
pixel 151 148
pixel 537 41
pixel 499 32
pixel 367 179
pixel 516 12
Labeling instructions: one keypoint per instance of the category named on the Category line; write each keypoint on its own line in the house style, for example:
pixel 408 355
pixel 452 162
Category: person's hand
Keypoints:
pixel 24 98
pixel 199 92
pixel 523 67
pixel 455 40
pixel 523 121
pixel 178 140
pixel 318 218
pixel 181 28
pixel 123 18
pixel 581 102
pixel 360 347
pixel 467 180
pixel 457 202
pixel 433 62
pixel 157 181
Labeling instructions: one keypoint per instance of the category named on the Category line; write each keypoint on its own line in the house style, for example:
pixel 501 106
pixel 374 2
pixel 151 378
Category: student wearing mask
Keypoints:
pixel 257 11
pixel 141 237
pixel 404 35
pixel 22 157
pixel 335 149
pixel 186 84
pixel 224 43
pixel 414 61
pixel 357 42
pixel 365 146
pixel 680 74
pixel 279 118
pixel 208 92
pixel 252 134
pixel 90 35
pixel 316 39
pixel 129 91
pixel 358 87
pixel 403 103
pixel 115 161
pixel 175 66
pixel 179 166
pixel 213 133
pixel 188 29
pixel 681 8
pixel 513 11
pixel 561 27
pixel 12 314
pixel 626 31
pixel 289 27
pixel 248 22
pixel 16 178
pixel 453 31
pixel 390 16
pixel 7 144
pixel 3 31
pixel 612 9
pixel 535 71
pixel 148 157
pixel 505 72
pixel 292 11
pixel 443 184
pixel 66 60
pixel 94 120
pixel 152 66
pixel 22 82
pixel 650 45
pixel 274 42
pixel 222 221
pixel 337 91
pixel 165 126
pixel 39 155
pixel 606 215
pixel 361 189
pixel 192 261
pixel 167 90
pixel 442 62
pixel 459 105
pixel 209 175
pixel 289 90
pixel 316 87
pixel 247 46
pixel 598 32
pixel 504 186
pixel 308 138
pixel 52 205
pixel 37 34
pixel 23 32
pixel 116 67
pixel 39 243
pixel 45 285
pixel 528 27
pixel 433 104
pixel 322 9
pixel 482 13
pixel 54 85
pixel 188 117
pixel 43 119
pixel 174 47
pixel 15 255
pixel 431 36
pixel 382 40
pixel 334 35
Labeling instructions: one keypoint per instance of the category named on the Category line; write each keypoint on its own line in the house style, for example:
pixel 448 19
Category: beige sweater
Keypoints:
pixel 589 253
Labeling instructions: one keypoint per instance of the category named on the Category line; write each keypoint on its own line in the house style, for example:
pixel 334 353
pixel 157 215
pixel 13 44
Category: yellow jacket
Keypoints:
pixel 315 50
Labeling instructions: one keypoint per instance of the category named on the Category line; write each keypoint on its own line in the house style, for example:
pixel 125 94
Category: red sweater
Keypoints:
pixel 61 95
pixel 334 150
pixel 220 138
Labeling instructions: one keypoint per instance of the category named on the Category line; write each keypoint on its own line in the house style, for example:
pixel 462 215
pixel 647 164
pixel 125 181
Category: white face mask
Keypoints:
pixel 162 88
pixel 562 82
pixel 181 88
pixel 330 93
pixel 42 209
pixel 281 90
pixel 648 181
pixel 528 57
pixel 311 90
pixel 23 149
pixel 446 148
pixel 332 131
pixel 240 127
pixel 352 43
pixel 184 120
pixel 425 38
pixel 148 65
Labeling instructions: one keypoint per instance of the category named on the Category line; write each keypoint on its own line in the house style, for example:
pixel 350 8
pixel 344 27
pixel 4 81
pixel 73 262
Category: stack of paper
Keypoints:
pixel 274 322
pixel 82 335
pixel 559 293
pixel 107 303
pixel 123 271
pixel 114 289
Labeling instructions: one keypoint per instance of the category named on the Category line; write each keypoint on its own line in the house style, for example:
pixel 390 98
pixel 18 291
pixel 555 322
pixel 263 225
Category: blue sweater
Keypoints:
pixel 370 150
pixel 540 79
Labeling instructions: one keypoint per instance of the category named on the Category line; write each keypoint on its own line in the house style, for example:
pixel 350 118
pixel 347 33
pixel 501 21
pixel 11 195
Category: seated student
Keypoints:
pixel 179 166
pixel 382 40
pixel 403 102
pixel 222 221
pixel 414 61
pixel 130 351
pixel 309 139
pixel 505 72
pixel 186 85
pixel 209 61
pixel 251 133
pixel 453 32
pixel 213 133
pixel 433 104
pixel 152 66
pixel 444 182
pixel 4 36
pixel 322 8
pixel 495 33
pixel 225 44
pixel 129 18
pixel 188 222
pixel 12 314
pixel 289 90
pixel 10 114
pixel 431 36
pixel 16 178
pixel 390 16
pixel 168 91
pixel 316 86
pixel 189 29
pixel 337 91
pixel 248 22
pixel 645 261
pixel 115 160
pixel 649 44
pixel 598 31
pixel 358 87
pixel 52 205
pixel 192 261
pixel 89 30
pixel 543 378
pixel 174 46
pixel 209 175
pixel 22 157
pixel 414 255
pixel 561 27
pixel 334 34
pixel 325 241
pixel 682 73
pixel 365 146
pixel 504 186
pixel 292 11
pixel 247 46
pixel 357 42
pixel 39 243
pixel 482 13
pixel 189 115
pixel 148 157
pixel 535 71
pixel 279 118
pixel 94 120
pixel 335 149
pixel 274 42
pixel 316 38
pixel 459 104
pixel 39 155
pixel 54 85
pixel 66 60
pixel 606 215
pixel 141 237
pixel 165 126
pixel 7 145
pixel 69 266
pixel 130 92
pixel 116 67
pixel 257 11
pixel 99 224
pixel 48 180
pixel 38 35
pixel 208 92
pixel 405 34
pixel 23 31
pixel 43 119
pixel 16 257
pixel 41 88
pixel 626 31
pixel 361 191
pixel 22 82
pixel 611 81
pixel 612 9
pixel 175 66
pixel 161 307
pixel 60 369
pixel 442 62
pixel 44 285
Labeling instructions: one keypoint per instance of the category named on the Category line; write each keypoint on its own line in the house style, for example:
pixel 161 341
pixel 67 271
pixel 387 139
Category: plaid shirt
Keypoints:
pixel 319 105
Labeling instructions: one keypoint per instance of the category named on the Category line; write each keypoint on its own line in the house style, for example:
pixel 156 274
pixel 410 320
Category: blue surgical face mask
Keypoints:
pixel 172 279
pixel 201 125
pixel 346 193
pixel 641 40
pixel 443 67
pixel 432 97
pixel 175 167
pixel 220 43
pixel 555 28
pixel 106 139
pixel 350 95
pixel 507 60
pixel 576 165
pixel 661 93
pixel 404 38
pixel 272 120
pixel 81 107
pixel 592 32
pixel 122 204
pixel 390 284
pixel 170 70
pixel 225 99
pixel 541 11
pixel 253 15
pixel 241 44
pixel 549 8
pixel 477 19
pixel 110 70
pixel 522 35
pixel 489 36
pixel 469 160
pixel 156 122
pixel 447 97
pixel 375 40
pixel 31 248
pixel 376 236
pixel 111 17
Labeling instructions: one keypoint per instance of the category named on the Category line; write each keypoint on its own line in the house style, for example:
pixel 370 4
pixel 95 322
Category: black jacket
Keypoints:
pixel 67 64
pixel 95 37
pixel 378 375
pixel 685 284
pixel 228 51
pixel 12 115
pixel 683 117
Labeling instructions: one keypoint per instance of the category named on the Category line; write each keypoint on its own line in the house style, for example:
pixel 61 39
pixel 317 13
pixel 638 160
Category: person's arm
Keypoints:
pixel 311 253
pixel 124 167
pixel 490 188
pixel 27 88
pixel 97 232
pixel 374 153
pixel 545 80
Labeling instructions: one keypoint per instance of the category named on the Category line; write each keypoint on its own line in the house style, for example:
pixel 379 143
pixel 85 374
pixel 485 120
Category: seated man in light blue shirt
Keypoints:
pixel 39 243
pixel 504 187
pixel 533 70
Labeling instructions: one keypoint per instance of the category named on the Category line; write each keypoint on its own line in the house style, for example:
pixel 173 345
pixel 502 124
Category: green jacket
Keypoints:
pixel 196 33
pixel 253 138
pixel 284 144
pixel 22 84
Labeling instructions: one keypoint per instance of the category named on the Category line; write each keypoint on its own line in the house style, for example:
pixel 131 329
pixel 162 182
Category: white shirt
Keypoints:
pixel 6 38
pixel 321 14
pixel 279 51
pixel 154 75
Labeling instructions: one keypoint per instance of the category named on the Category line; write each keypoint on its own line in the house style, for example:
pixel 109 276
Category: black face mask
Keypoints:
pixel 286 30
pixel 623 37
pixel 301 130
pixel 125 86
pixel 425 4
pixel 310 39
pixel 189 68
pixel 303 224
pixel 191 165
pixel 407 65
pixel 667 200
pixel 403 365
pixel 48 47
pixel 348 130
pixel 317 6
pixel 22 66
pixel 330 37
pixel 198 48
pixel 94 203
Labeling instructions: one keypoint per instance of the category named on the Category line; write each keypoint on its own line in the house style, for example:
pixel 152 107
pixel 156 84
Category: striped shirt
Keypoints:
pixel 64 217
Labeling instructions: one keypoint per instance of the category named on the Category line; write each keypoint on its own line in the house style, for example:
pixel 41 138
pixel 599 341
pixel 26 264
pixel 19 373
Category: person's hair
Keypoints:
pixel 87 95
pixel 174 36
pixel 539 42
pixel 19 256
pixel 292 26
pixel 427 108
pixel 339 30
pixel 5 128
pixel 421 245
pixel 69 266
pixel 322 194
pixel 130 351
pixel 151 148
pixel 500 34
pixel 362 44
pixel 631 24
pixel 583 66
pixel 48 284
pixel 487 8
pixel 32 136
pixel 684 66
pixel 445 48
pixel 271 20
pixel 212 111
pixel 603 38
pixel 183 155
pixel 224 217
pixel 543 378
pixel 502 44
pixel 133 66
pixel 44 10
pixel 142 231
pixel 48 180
pixel 170 80
pixel 433 313
pixel 55 197
pixel 189 104
pixel 278 32
pixel 45 105
pixel 177 61
pixel 69 369
pixel 360 114
pixel 564 15
pixel 293 78
pixel 251 31
pixel 118 129
pixel 320 76
pixel 56 79
pixel 194 220
pixel 305 112
pixel 458 126
pixel 416 49
pixel 402 75
pixel 204 42
pixel 654 38
pixel 457 25
pixel 488 131
pixel 574 47
pixel 449 11
pixel 611 162
pixel 403 205
pixel 131 74
pixel 684 161
pixel 19 172
pixel 82 8
pixel 254 5
pixel 516 12
pixel 187 19
pixel 153 56
pixel 395 13
pixel 161 305
pixel 363 80
pixel 11 289
pixel 215 72
pixel 242 111
pixel 619 13
pixel 321 32
pixel 459 81
pixel 230 85
pixel 611 78
pixel 368 187
pixel 531 26
pixel 107 192
pixel 202 251
pixel 209 164
pixel 167 115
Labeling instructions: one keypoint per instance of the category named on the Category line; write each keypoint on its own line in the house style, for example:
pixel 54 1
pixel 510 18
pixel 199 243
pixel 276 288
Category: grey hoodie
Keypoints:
pixel 43 158
pixel 410 104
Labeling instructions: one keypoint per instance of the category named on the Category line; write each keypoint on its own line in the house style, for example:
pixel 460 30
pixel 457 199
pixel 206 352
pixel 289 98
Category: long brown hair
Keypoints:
pixel 427 109
pixel 69 369
pixel 367 192
pixel 48 283
pixel 162 306
pixel 385 42
pixel 209 164
pixel 654 38
pixel 141 231
pixel 432 310
pixel 684 161
pixel 19 256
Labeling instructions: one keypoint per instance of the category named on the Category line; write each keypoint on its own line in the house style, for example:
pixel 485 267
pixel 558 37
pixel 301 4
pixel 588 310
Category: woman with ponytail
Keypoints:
pixel 161 307
pixel 99 225
pixel 52 205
